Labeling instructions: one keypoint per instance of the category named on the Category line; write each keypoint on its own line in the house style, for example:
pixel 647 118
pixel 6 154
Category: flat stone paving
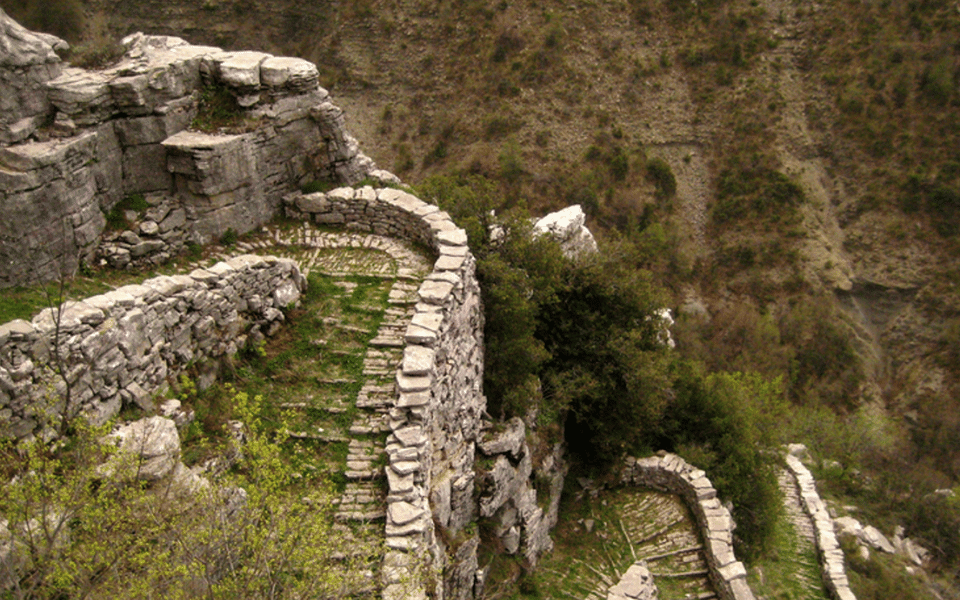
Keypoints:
pixel 628 526
pixel 372 331
pixel 801 560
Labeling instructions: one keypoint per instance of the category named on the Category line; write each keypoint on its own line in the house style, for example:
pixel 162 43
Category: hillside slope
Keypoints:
pixel 810 231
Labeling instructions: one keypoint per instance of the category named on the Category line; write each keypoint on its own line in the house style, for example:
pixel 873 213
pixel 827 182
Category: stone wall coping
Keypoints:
pixel 828 547
pixel 397 213
pixel 670 473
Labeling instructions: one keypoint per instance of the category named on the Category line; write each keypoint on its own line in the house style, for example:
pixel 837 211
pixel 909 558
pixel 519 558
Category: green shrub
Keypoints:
pixel 96 54
pixel 937 83
pixel 62 18
pixel 619 164
pixel 662 176
pixel 117 217
pixel 316 185
pixel 229 237
pixel 217 109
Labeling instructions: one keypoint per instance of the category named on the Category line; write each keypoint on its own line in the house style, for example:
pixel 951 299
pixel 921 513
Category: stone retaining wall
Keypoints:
pixel 124 346
pixel 828 548
pixel 436 418
pixel 672 474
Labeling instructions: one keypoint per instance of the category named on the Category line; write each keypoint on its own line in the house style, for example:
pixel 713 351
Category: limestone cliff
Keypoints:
pixel 76 142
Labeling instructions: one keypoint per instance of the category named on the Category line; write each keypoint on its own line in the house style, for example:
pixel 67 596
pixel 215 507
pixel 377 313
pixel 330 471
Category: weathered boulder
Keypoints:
pixel 149 449
pixel 636 584
pixel 568 227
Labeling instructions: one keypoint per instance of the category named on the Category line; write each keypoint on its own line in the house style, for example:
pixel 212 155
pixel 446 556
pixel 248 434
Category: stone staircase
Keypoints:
pixel 626 527
pixel 371 290
pixel 801 561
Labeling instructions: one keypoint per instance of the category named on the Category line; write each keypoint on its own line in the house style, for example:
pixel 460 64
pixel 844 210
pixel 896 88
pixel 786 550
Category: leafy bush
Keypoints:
pixel 731 420
pixel 316 185
pixel 62 18
pixel 83 535
pixel 117 217
pixel 755 191
pixel 229 237
pixel 937 83
pixel 217 109
pixel 96 54
pixel 662 176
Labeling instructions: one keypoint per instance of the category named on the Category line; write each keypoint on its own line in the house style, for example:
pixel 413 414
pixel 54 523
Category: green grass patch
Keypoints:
pixel 790 570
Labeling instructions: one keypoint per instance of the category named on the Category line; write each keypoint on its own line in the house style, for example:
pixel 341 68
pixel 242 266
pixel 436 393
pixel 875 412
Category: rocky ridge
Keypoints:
pixel 122 132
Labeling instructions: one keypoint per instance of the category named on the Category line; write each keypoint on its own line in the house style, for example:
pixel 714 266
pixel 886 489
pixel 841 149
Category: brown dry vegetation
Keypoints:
pixel 813 148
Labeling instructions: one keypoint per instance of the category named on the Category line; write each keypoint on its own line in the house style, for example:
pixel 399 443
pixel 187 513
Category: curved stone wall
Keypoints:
pixel 124 346
pixel 435 421
pixel 828 548
pixel 670 473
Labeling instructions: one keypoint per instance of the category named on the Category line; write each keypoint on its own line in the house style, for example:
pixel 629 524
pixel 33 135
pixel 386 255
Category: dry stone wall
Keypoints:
pixel 436 418
pixel 76 142
pixel 670 473
pixel 828 547
pixel 124 346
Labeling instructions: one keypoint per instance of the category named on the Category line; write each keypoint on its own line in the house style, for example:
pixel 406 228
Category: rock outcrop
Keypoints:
pixel 522 513
pixel 124 131
pixel 27 61
pixel 568 227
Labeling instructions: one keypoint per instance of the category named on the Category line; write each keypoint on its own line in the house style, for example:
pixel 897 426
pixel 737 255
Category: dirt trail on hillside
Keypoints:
pixel 691 170
pixel 796 148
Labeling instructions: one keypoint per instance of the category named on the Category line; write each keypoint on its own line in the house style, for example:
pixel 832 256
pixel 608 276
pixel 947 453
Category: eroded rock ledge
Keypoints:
pixel 74 143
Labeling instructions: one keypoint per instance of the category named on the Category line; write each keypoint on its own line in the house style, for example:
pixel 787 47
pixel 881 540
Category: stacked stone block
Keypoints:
pixel 124 346
pixel 670 473
pixel 828 547
pixel 435 420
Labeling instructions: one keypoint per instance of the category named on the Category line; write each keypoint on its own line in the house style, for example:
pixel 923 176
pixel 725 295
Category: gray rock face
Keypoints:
pixel 509 441
pixel 27 61
pixel 123 133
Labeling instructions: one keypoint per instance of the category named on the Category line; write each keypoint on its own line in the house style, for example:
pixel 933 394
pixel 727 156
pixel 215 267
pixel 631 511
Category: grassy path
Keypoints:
pixel 601 534
pixel 331 372
pixel 791 570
